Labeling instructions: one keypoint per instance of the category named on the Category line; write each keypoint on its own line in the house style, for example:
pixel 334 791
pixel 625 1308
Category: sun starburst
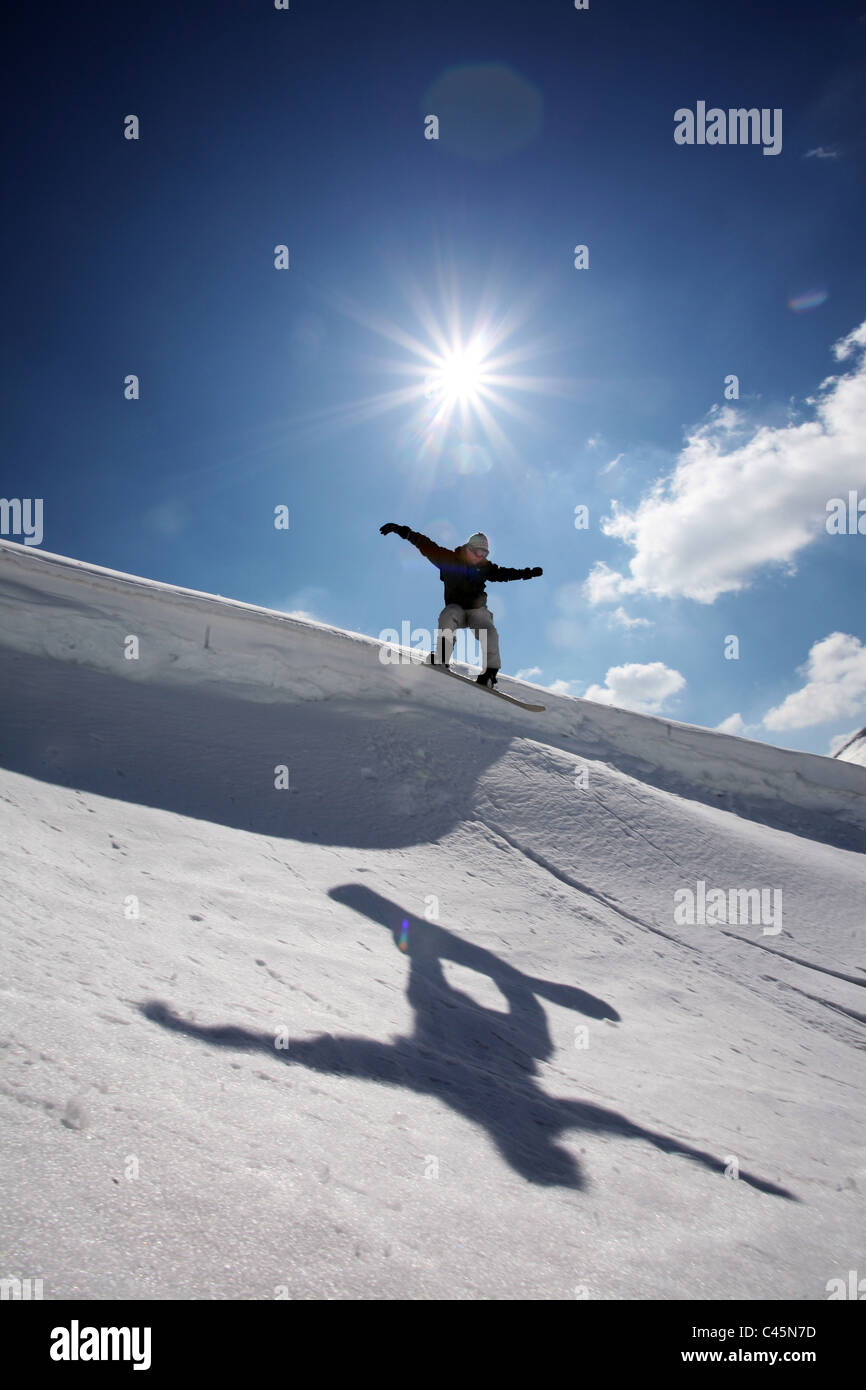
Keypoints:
pixel 461 382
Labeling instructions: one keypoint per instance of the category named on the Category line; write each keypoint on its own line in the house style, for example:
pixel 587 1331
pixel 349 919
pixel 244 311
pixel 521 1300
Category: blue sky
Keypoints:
pixel 605 386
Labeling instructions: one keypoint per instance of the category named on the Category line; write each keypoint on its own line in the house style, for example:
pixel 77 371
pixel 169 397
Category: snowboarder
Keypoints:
pixel 464 572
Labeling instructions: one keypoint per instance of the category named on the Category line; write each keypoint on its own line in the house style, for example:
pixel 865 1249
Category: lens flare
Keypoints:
pixel 810 300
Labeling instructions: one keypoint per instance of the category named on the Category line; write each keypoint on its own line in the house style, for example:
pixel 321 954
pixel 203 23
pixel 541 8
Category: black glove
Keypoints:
pixel 534 574
pixel 402 531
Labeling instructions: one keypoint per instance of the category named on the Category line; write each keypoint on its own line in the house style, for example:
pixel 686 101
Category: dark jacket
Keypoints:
pixel 464 583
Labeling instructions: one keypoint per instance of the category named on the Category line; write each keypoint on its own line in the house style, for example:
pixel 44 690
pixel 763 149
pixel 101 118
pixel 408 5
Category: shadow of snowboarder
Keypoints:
pixel 480 1061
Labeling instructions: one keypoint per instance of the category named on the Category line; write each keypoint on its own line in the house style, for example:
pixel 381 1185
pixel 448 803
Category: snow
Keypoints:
pixel 854 750
pixel 537 1099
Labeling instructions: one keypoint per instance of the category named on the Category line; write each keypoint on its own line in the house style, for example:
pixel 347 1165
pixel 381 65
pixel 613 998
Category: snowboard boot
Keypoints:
pixel 439 656
pixel 488 677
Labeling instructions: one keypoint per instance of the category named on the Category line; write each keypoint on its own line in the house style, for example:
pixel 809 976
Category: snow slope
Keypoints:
pixel 854 751
pixel 421 1023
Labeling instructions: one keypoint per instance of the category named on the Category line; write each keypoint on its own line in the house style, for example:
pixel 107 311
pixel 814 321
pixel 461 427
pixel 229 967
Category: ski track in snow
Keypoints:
pixel 542 1093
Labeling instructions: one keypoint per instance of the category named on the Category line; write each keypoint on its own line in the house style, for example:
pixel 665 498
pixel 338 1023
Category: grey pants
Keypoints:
pixel 480 624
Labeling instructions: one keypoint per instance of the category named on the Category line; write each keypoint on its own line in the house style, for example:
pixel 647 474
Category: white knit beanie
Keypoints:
pixel 478 541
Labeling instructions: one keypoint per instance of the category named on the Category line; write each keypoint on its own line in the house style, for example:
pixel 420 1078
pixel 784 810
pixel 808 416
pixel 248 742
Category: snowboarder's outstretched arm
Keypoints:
pixel 497 572
pixel 436 554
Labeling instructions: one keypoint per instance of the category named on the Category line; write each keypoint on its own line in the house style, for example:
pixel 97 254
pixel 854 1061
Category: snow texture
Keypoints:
pixel 423 1023
pixel 854 751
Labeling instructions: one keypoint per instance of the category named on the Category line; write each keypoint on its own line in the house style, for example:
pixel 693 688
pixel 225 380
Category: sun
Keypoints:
pixel 463 374
pixel 460 375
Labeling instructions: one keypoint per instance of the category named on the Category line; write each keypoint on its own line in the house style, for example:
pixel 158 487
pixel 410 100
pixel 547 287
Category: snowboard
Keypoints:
pixel 500 694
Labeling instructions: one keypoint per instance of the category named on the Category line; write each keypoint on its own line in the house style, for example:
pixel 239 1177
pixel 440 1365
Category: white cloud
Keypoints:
pixel 821 153
pixel 742 497
pixel 557 687
pixel 603 584
pixel 736 724
pixel 608 466
pixel 620 616
pixel 835 687
pixel 643 688
pixel 848 345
